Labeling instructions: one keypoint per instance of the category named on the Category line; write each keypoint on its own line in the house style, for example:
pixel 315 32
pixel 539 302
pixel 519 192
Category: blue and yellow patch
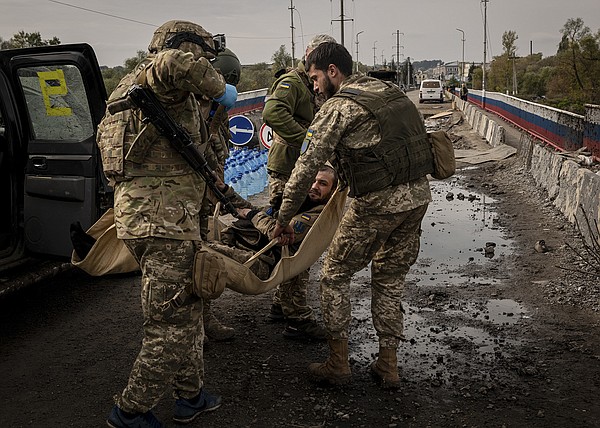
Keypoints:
pixel 284 85
pixel 306 142
pixel 305 217
pixel 299 227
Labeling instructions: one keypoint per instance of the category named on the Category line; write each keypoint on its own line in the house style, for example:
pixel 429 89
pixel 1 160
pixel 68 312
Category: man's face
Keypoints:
pixel 322 187
pixel 322 83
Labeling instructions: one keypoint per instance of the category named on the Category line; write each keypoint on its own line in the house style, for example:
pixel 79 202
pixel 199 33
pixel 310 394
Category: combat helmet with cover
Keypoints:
pixel 229 65
pixel 173 33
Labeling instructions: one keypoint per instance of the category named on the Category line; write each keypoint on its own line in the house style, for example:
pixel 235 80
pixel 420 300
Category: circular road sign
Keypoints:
pixel 241 130
pixel 266 135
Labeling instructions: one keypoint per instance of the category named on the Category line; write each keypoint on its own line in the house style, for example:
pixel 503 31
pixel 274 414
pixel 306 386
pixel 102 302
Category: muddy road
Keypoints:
pixel 497 334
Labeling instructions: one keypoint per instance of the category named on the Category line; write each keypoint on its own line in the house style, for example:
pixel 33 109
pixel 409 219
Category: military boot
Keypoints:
pixel 214 330
pixel 336 369
pixel 385 368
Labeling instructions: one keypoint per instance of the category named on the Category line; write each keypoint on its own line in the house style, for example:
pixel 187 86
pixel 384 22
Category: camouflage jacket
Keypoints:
pixel 264 219
pixel 167 205
pixel 288 110
pixel 341 123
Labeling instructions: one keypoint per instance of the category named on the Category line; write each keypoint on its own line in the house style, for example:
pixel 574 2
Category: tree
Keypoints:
pixel 257 76
pixel 281 59
pixel 112 76
pixel 27 40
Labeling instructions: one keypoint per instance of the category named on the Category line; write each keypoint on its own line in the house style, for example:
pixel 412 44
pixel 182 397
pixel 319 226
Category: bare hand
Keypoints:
pixel 285 234
pixel 243 212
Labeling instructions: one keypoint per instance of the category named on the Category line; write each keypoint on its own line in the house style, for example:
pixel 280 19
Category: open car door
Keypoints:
pixel 57 98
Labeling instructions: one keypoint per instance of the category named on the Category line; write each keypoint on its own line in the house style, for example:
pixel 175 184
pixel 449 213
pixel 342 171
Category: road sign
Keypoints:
pixel 266 135
pixel 241 130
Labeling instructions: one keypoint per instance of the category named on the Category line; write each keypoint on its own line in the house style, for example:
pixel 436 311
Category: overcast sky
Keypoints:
pixel 255 29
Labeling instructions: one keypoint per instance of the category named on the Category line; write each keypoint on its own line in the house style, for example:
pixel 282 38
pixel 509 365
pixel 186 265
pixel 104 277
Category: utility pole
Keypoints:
pixel 342 20
pixel 382 60
pixel 462 64
pixel 407 72
pixel 398 56
pixel 291 8
pixel 485 2
pixel 360 32
pixel 374 55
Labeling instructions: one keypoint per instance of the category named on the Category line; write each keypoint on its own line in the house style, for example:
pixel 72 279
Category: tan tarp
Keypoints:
pixel 474 157
pixel 109 254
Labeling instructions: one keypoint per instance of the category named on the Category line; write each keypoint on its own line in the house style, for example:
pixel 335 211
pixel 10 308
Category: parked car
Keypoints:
pixel 51 101
pixel 431 90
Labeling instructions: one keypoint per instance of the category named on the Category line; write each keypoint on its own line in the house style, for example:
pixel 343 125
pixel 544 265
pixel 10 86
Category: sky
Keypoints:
pixel 255 29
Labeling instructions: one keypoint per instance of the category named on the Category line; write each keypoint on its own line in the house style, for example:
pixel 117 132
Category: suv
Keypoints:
pixel 51 101
pixel 432 90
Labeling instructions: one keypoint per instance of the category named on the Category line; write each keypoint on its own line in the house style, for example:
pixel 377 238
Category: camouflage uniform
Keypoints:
pixel 288 111
pixel 381 226
pixel 241 240
pixel 157 202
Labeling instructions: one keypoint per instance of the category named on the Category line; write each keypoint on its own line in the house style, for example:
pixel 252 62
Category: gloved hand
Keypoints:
pixel 229 97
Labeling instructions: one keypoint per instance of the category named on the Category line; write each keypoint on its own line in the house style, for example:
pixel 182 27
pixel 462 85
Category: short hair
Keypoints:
pixel 333 172
pixel 330 53
pixel 319 39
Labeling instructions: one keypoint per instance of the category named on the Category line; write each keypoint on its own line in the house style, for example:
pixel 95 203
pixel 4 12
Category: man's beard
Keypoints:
pixel 329 89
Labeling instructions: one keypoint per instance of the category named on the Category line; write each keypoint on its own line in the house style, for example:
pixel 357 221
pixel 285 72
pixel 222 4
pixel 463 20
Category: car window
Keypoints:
pixel 431 84
pixel 57 103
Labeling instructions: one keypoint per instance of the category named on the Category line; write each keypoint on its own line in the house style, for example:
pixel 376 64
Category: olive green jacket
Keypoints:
pixel 288 111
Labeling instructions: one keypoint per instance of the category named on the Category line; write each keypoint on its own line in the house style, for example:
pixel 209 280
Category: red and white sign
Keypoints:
pixel 266 135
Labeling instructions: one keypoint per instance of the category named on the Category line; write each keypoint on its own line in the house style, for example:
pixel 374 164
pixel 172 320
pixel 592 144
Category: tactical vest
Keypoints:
pixel 130 148
pixel 404 152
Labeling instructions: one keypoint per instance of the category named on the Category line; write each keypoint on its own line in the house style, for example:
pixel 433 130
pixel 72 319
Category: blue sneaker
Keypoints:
pixel 188 410
pixel 118 419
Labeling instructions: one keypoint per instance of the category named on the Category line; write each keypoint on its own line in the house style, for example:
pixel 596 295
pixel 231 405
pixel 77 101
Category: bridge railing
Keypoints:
pixel 564 130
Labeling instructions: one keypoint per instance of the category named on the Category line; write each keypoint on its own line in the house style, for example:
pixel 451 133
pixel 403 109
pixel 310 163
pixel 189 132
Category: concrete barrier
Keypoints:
pixel 572 189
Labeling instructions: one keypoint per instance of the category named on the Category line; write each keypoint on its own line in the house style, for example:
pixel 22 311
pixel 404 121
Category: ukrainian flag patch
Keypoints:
pixel 305 217
pixel 284 85
pixel 306 142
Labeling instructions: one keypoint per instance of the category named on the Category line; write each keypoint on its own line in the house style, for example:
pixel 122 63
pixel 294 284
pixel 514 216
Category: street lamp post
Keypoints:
pixel 360 32
pixel 462 64
pixel 374 54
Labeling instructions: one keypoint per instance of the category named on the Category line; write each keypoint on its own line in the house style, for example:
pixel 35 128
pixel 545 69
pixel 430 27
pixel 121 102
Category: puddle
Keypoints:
pixel 456 232
pixel 460 227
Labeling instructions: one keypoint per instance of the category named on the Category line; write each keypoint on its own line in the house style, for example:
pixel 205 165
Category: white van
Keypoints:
pixel 431 90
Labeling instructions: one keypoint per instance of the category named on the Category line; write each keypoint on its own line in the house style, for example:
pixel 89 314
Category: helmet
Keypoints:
pixel 229 65
pixel 173 33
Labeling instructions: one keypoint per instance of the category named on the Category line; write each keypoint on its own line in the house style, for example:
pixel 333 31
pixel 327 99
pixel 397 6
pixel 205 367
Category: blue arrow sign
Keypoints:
pixel 241 130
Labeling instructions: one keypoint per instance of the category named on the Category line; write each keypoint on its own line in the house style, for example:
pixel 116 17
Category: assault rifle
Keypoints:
pixel 155 113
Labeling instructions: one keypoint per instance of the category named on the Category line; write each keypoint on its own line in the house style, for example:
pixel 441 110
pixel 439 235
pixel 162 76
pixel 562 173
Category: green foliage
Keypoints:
pixel 112 76
pixel 567 80
pixel 257 76
pixel 27 40
pixel 281 58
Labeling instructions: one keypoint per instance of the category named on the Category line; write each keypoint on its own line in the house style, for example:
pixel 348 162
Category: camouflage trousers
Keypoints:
pixel 291 295
pixel 171 356
pixel 391 243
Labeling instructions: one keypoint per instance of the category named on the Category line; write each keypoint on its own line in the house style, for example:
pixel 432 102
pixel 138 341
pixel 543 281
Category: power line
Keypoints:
pixel 155 25
pixel 103 13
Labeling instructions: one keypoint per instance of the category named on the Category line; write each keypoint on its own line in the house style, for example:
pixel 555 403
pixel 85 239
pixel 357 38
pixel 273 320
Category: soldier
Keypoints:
pixel 251 233
pixel 380 145
pixel 157 201
pixel 217 151
pixel 288 111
